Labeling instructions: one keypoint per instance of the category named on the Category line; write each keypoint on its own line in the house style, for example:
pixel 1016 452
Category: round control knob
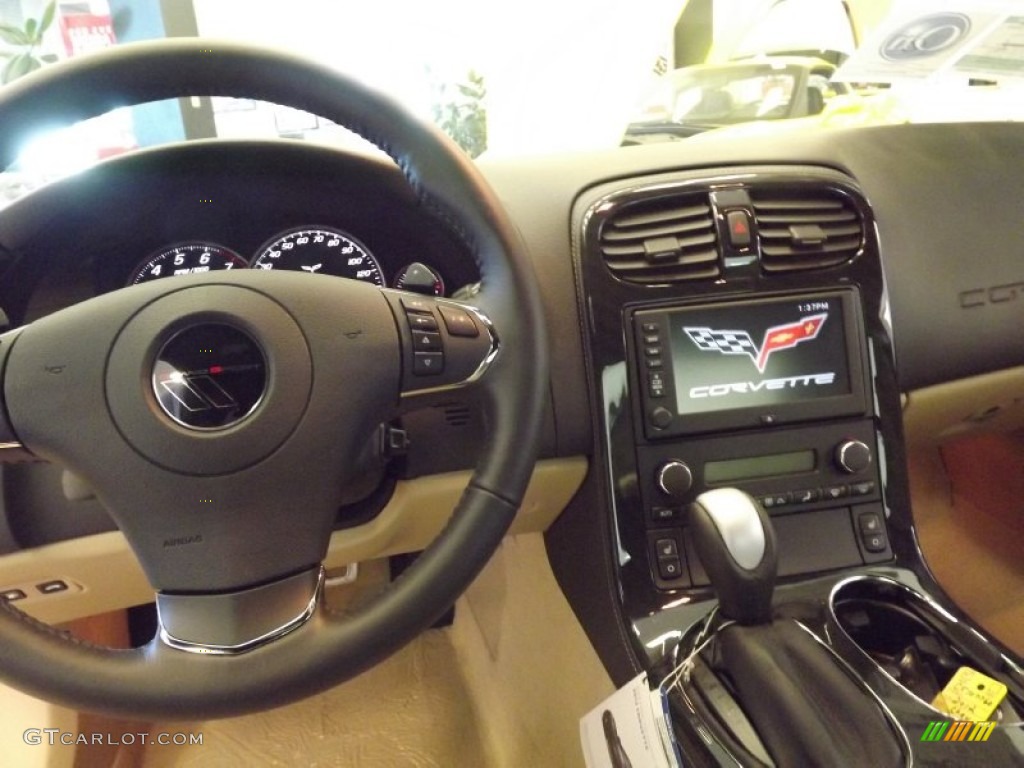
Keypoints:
pixel 674 479
pixel 853 456
pixel 661 417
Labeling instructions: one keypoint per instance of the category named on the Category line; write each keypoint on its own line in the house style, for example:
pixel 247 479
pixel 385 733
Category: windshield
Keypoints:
pixel 723 95
pixel 537 77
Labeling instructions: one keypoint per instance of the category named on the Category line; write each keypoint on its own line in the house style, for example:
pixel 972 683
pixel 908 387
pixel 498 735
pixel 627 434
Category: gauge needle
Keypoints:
pixel 312 269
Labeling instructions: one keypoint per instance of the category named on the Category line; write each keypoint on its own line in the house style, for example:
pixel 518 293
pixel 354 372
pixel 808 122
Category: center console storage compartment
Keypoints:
pixel 917 644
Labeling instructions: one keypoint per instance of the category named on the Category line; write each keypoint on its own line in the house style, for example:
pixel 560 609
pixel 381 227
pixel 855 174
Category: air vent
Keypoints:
pixel 455 414
pixel 662 240
pixel 806 228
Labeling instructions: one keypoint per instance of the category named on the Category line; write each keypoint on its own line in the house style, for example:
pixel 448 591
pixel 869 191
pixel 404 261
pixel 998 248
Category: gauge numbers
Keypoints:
pixel 187 259
pixel 320 251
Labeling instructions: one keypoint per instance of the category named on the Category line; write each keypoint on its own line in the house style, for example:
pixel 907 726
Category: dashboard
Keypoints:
pixel 682 359
pixel 132 222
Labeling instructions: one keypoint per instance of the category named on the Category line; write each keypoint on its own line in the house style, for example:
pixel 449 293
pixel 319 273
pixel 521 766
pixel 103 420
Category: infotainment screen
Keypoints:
pixel 751 362
pixel 758 354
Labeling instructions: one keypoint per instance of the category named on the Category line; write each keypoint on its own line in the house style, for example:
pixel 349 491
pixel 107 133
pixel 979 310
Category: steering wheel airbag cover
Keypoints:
pixel 152 433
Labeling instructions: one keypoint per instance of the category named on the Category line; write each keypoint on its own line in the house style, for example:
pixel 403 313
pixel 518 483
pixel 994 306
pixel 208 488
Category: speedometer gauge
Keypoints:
pixel 186 259
pixel 320 251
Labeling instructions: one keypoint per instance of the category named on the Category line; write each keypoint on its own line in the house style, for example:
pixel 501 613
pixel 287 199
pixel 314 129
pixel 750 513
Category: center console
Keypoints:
pixel 737 337
pixel 769 395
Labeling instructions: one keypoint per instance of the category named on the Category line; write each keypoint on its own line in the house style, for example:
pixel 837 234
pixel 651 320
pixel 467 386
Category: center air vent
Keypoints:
pixel 806 228
pixel 662 240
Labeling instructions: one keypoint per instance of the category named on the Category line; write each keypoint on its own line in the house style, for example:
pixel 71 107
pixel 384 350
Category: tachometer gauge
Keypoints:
pixel 420 278
pixel 320 251
pixel 186 259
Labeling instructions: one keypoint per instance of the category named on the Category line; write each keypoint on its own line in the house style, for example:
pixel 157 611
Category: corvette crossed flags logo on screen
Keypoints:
pixel 776 338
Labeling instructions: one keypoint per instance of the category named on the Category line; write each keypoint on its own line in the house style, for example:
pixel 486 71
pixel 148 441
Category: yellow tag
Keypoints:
pixel 970 695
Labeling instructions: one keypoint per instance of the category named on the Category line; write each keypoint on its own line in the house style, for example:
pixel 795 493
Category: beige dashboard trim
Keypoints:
pixel 103 574
pixel 992 402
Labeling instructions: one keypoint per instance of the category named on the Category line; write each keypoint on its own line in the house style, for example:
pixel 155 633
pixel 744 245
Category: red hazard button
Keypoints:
pixel 739 228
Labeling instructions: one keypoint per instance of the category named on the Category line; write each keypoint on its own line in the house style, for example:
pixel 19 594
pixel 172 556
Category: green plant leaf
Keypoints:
pixel 47 18
pixel 13 35
pixel 20 65
pixel 50 58
pixel 31 29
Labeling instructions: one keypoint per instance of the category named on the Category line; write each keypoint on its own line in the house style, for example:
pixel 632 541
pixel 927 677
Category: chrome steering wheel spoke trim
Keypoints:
pixel 240 621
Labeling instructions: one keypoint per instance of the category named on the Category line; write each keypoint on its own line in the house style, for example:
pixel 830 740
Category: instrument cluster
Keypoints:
pixel 321 250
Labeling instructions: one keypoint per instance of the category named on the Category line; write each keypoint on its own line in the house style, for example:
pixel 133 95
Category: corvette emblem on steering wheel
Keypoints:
pixel 209 376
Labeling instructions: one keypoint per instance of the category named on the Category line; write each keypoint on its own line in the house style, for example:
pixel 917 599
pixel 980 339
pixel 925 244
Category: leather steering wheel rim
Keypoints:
pixel 157 681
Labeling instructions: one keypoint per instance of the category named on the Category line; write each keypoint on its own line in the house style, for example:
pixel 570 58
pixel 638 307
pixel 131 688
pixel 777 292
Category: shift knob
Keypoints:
pixel 736 543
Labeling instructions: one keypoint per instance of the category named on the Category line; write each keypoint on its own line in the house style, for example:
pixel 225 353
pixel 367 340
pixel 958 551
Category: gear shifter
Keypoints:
pixel 736 543
pixel 805 708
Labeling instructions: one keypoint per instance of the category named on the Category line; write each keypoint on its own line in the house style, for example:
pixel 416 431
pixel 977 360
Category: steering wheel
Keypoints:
pixel 219 417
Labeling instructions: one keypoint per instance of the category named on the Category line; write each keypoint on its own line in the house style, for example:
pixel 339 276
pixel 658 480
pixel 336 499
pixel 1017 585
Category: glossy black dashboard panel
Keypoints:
pixel 643 516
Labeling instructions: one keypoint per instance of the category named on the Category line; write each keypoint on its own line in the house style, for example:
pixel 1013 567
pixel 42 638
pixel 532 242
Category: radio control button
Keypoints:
pixel 652 338
pixel 667 548
pixel 670 568
pixel 674 479
pixel 652 351
pixel 853 456
pixel 653 362
pixel 780 499
pixel 807 496
pixel 836 491
pixel 656 384
pixel 661 417
pixel 862 489
pixel 649 327
pixel 664 514
pixel 870 523
pixel 874 542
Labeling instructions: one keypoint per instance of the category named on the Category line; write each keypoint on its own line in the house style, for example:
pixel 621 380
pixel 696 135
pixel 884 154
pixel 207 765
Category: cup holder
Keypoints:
pixel 914 641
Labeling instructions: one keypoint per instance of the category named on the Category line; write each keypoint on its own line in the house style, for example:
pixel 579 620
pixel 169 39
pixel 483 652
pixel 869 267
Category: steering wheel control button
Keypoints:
pixel 445 345
pixel 415 304
pixel 209 376
pixel 427 363
pixel 421 322
pixel 853 456
pixel 424 341
pixel 458 322
pixel 11 595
